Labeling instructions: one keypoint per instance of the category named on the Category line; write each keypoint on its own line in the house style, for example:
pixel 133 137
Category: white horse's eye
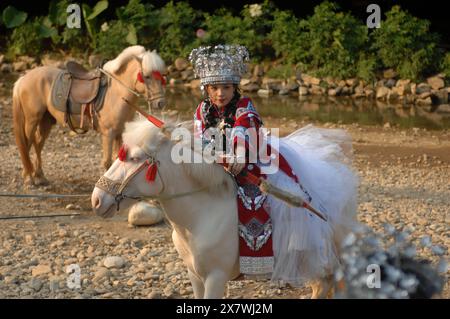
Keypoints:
pixel 135 159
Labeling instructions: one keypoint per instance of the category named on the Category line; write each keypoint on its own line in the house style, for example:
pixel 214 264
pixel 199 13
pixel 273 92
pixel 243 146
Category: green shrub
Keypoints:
pixel 26 39
pixel 284 36
pixel 367 66
pixel 406 44
pixel 250 29
pixel 143 19
pixel 112 39
pixel 178 24
pixel 330 42
pixel 445 65
pixel 282 71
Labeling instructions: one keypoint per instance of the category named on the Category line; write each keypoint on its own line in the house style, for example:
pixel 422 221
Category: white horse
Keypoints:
pixel 199 200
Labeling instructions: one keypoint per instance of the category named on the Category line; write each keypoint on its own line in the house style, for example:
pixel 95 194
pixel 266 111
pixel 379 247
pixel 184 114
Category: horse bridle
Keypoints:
pixel 117 189
pixel 149 99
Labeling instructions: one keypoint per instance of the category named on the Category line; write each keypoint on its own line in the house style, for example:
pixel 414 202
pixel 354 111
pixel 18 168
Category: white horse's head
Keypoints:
pixel 145 168
pixel 149 77
pixel 136 171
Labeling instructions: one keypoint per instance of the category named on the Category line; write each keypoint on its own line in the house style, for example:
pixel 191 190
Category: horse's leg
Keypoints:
pixel 322 288
pixel 44 127
pixel 215 285
pixel 197 285
pixel 107 141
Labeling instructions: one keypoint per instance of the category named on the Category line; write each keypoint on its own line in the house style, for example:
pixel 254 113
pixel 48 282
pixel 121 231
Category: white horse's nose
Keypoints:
pixel 96 203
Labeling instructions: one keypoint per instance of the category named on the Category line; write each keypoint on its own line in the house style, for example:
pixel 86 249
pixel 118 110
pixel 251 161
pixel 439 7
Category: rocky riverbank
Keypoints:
pixel 432 94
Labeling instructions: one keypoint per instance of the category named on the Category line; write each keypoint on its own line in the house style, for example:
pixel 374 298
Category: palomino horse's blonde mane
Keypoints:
pixel 148 137
pixel 151 61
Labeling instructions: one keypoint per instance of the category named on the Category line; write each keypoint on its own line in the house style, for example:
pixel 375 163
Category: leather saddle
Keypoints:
pixel 77 90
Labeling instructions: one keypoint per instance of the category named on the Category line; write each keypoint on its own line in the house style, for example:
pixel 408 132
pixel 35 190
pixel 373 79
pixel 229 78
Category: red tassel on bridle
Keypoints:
pixel 158 76
pixel 123 153
pixel 140 77
pixel 150 175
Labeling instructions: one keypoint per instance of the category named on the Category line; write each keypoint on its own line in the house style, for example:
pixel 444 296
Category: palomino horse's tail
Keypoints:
pixel 19 128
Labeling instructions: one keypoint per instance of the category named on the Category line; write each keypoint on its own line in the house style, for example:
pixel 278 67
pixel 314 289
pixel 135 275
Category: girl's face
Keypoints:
pixel 220 94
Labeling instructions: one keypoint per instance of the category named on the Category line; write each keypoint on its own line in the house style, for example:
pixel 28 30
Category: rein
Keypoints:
pixel 149 99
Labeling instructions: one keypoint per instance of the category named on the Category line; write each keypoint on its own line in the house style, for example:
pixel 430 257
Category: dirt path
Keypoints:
pixel 404 175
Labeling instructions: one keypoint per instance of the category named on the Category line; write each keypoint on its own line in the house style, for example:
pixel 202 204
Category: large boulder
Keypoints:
pixel 144 214
pixel 181 64
pixel 382 92
pixel 436 82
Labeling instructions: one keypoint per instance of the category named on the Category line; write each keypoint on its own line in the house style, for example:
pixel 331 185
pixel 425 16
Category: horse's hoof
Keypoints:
pixel 28 182
pixel 41 181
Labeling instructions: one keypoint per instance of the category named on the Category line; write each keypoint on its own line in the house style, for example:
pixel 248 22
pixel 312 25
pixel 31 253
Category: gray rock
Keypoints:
pixel 36 284
pixel 6 68
pixel 265 93
pixel 114 262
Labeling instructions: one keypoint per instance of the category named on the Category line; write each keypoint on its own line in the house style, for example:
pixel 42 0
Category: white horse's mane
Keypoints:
pixel 151 61
pixel 149 137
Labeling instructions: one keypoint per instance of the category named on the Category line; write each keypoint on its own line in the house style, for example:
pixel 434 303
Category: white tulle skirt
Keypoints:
pixel 303 244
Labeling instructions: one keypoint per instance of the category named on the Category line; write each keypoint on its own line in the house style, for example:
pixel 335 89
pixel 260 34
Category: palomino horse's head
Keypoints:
pixel 152 77
pixel 147 77
pixel 135 174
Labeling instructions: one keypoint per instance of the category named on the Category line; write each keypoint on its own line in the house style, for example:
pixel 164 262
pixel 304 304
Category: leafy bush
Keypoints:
pixel 136 23
pixel 406 44
pixel 250 29
pixel 330 42
pixel 178 24
pixel 445 65
pixel 26 39
pixel 282 71
pixel 284 36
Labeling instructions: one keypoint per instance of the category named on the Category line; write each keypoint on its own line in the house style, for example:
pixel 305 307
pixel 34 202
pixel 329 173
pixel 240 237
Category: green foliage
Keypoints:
pixel 284 36
pixel 12 17
pixel 27 38
pixel 445 65
pixel 330 42
pixel 112 39
pixel 142 22
pixel 90 19
pixel 367 66
pixel 250 29
pixel 178 24
pixel 282 71
pixel 406 44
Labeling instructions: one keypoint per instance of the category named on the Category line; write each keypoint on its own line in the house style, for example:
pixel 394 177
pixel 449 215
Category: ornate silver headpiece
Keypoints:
pixel 220 63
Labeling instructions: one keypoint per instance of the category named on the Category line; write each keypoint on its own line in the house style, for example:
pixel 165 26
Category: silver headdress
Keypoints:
pixel 219 64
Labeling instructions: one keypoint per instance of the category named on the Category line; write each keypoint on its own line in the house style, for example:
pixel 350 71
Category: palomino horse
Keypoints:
pixel 199 200
pixel 34 112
